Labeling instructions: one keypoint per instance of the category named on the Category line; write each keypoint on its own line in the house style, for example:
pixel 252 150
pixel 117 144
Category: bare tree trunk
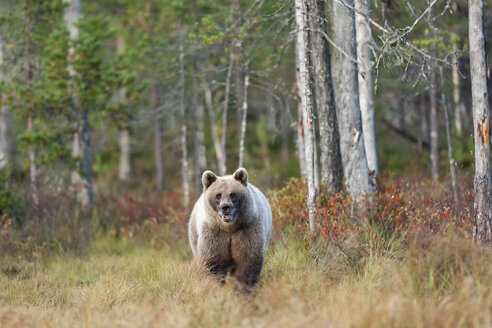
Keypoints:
pixel 184 129
pixel 366 94
pixel 159 172
pixel 459 110
pixel 434 127
pixel 214 128
pixel 223 166
pixel 300 133
pixel 28 81
pixel 4 142
pixel 73 12
pixel 125 150
pixel 244 116
pixel 198 147
pixel 86 137
pixel 448 136
pixel 355 169
pixel 481 123
pixel 329 141
pixel 124 170
pixel 302 47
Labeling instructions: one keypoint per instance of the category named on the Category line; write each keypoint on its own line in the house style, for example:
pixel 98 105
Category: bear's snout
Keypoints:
pixel 226 212
pixel 226 209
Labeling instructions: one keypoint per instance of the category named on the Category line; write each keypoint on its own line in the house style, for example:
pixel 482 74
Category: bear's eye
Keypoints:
pixel 218 196
pixel 233 196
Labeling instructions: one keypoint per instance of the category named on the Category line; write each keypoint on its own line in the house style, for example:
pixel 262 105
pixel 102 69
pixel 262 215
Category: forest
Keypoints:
pixel 364 122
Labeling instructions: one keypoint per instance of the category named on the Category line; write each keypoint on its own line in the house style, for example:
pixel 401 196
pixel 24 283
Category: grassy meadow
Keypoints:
pixel 416 268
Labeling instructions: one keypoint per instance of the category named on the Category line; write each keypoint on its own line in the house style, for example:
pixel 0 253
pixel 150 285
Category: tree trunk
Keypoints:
pixel 434 127
pixel 481 123
pixel 184 129
pixel 448 136
pixel 459 108
pixel 73 12
pixel 355 169
pixel 124 170
pixel 4 142
pixel 243 117
pixel 214 128
pixel 302 47
pixel 300 131
pixel 329 141
pixel 198 147
pixel 125 150
pixel 366 94
pixel 159 172
pixel 28 81
pixel 86 136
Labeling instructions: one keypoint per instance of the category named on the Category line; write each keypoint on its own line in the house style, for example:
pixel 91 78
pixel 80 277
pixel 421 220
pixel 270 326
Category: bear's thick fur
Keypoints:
pixel 229 227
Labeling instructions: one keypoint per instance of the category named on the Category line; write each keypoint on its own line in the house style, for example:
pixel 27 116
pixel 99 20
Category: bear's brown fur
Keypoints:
pixel 229 227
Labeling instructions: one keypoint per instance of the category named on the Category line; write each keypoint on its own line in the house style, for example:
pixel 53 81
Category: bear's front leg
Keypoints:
pixel 247 254
pixel 214 253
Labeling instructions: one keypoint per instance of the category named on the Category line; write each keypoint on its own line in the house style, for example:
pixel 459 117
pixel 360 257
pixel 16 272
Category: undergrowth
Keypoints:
pixel 406 259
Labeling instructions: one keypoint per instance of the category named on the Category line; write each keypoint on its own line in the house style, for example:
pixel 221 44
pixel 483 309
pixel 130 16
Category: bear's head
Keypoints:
pixel 228 195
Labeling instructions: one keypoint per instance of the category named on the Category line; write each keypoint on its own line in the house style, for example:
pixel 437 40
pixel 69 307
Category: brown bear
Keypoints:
pixel 229 227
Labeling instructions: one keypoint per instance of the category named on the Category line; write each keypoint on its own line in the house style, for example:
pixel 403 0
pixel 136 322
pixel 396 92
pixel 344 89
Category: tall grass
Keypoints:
pixel 439 283
pixel 405 262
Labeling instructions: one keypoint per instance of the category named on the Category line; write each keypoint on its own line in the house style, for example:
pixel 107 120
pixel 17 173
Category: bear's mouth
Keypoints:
pixel 226 217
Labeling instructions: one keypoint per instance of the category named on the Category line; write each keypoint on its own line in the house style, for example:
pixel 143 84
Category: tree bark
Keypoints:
pixel 159 172
pixel 448 136
pixel 300 131
pixel 86 137
pixel 184 129
pixel 124 170
pixel 329 141
pixel 434 127
pixel 33 171
pixel 73 12
pixel 302 47
pixel 214 128
pixel 199 158
pixel 355 169
pixel 4 142
pixel 459 108
pixel 244 116
pixel 481 123
pixel 366 94
pixel 125 151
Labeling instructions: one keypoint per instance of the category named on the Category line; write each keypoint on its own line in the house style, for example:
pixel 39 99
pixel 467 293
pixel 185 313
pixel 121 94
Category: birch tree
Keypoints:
pixel 366 94
pixel 124 138
pixel 329 142
pixel 199 158
pixel 302 59
pixel 481 123
pixel 154 100
pixel 355 169
pixel 33 170
pixel 448 137
pixel 182 112
pixel 244 113
pixel 73 12
pixel 434 127
pixel 4 142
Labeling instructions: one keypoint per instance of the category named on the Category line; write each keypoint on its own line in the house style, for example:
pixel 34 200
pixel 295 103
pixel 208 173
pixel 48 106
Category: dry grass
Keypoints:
pixel 434 283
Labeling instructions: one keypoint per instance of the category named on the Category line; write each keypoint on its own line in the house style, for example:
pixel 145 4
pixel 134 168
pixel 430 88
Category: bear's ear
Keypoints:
pixel 241 175
pixel 208 177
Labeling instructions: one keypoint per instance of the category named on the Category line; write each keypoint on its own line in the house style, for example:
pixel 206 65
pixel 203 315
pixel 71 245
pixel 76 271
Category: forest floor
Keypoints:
pixel 443 282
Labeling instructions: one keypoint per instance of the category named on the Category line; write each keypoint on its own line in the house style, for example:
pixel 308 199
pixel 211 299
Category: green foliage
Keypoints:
pixel 6 196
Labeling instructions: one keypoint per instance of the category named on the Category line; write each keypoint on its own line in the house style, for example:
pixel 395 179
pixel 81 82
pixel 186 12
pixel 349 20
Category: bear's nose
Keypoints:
pixel 226 208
